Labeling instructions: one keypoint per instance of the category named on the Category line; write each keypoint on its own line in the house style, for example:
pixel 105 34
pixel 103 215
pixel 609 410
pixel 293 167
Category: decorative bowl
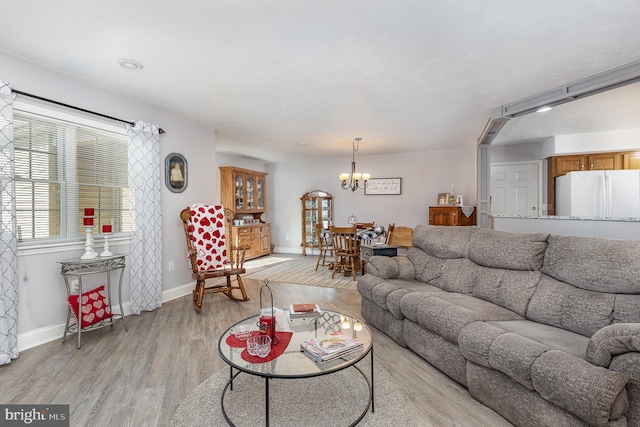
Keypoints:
pixel 242 332
pixel 259 345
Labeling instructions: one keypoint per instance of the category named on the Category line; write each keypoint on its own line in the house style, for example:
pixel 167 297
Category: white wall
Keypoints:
pixel 41 288
pixel 424 175
pixel 617 140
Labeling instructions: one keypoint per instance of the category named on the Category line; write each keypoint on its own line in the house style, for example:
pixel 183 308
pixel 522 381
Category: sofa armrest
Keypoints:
pixel 383 267
pixel 398 267
pixel 611 341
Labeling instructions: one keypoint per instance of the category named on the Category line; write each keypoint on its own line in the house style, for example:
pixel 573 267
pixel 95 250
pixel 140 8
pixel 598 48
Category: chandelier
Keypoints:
pixel 352 181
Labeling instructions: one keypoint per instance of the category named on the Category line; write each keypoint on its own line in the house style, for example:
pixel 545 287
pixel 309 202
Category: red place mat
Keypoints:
pixel 276 350
pixel 232 341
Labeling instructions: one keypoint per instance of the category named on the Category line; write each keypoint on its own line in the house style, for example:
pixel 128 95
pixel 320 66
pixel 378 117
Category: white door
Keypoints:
pixel 515 189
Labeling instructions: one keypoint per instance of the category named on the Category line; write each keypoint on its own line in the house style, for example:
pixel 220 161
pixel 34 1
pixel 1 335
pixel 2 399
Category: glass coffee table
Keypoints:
pixel 287 361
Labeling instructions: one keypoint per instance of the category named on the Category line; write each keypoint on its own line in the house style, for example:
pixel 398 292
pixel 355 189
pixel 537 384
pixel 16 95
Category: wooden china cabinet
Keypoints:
pixel 317 207
pixel 244 192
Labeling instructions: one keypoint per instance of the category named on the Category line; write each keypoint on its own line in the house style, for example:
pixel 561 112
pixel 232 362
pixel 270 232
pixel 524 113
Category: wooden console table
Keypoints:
pixel 81 267
pixel 451 216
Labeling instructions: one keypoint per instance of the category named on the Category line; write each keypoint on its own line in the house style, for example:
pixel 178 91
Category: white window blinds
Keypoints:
pixel 63 167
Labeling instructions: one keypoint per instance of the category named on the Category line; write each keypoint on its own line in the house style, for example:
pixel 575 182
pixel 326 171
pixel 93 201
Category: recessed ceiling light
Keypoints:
pixel 303 143
pixel 543 109
pixel 130 64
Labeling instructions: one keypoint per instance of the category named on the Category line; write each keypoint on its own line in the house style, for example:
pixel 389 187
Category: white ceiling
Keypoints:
pixel 271 75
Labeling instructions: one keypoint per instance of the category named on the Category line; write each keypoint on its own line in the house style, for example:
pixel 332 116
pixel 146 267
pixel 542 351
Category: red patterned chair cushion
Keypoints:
pixel 208 237
pixel 94 306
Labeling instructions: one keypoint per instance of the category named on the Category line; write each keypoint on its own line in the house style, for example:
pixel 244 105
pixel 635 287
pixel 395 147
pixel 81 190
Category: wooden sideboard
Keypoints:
pixel 450 216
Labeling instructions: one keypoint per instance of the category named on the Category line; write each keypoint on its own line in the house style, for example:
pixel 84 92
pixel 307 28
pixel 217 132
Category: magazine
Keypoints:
pixel 330 347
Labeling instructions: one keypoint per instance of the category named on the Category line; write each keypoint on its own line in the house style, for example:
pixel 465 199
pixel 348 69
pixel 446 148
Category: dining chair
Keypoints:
pixel 325 246
pixel 401 236
pixel 389 233
pixel 361 225
pixel 207 230
pixel 346 250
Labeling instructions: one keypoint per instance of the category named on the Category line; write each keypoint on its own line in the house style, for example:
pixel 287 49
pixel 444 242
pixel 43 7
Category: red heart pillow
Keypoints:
pixel 94 306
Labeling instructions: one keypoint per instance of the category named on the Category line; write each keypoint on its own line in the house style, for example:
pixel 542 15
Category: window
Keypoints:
pixel 64 164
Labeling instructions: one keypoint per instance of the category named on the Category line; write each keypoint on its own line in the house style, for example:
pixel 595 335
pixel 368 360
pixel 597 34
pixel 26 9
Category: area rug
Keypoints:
pixel 330 400
pixel 302 271
pixel 265 261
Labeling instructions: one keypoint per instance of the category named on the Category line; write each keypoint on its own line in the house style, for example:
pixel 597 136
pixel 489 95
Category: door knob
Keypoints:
pixel 533 208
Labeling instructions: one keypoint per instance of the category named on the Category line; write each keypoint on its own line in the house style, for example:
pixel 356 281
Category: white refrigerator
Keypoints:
pixel 599 194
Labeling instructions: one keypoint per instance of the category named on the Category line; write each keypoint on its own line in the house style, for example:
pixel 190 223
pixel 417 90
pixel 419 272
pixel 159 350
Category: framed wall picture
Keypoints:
pixel 443 199
pixel 383 186
pixel 175 172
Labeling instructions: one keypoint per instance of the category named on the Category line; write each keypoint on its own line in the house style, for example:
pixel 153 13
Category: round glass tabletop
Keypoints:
pixel 292 362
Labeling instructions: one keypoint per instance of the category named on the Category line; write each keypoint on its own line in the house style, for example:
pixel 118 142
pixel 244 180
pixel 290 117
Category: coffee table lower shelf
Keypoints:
pixel 368 379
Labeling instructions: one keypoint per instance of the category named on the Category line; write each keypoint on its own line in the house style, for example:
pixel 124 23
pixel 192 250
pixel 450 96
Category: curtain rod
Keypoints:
pixel 19 92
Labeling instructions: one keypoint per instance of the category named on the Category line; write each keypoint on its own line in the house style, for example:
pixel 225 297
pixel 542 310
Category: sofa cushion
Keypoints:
pixel 594 394
pixel 447 313
pixel 443 242
pixel 552 337
pixel 475 340
pixel 514 355
pixel 559 304
pixel 410 304
pixel 457 275
pixel 366 284
pixel 426 267
pixel 510 289
pixel 388 294
pixel 513 251
pixel 507 352
pixel 602 265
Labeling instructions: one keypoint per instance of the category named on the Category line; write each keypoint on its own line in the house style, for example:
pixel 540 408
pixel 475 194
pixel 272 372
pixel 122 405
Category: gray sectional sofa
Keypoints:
pixel 544 329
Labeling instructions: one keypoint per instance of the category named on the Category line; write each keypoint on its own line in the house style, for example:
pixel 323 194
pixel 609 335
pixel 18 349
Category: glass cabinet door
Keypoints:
pixel 251 193
pixel 325 212
pixel 239 191
pixel 260 194
pixel 311 219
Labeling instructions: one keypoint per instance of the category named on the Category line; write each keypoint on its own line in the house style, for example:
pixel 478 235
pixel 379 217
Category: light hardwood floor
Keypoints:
pixel 139 377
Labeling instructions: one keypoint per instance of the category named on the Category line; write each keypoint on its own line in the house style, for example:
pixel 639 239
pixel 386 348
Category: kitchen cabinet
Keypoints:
pixel 244 192
pixel 561 165
pixel 317 207
pixel 631 160
pixel 451 216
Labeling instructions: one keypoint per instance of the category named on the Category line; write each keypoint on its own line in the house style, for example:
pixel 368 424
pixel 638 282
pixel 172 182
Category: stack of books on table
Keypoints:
pixel 330 347
pixel 304 311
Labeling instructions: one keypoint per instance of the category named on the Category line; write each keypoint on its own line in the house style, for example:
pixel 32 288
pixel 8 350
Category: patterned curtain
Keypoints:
pixel 8 238
pixel 146 236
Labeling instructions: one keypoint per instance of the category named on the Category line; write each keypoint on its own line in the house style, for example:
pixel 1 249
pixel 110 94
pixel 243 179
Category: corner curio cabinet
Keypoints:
pixel 244 192
pixel 317 207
